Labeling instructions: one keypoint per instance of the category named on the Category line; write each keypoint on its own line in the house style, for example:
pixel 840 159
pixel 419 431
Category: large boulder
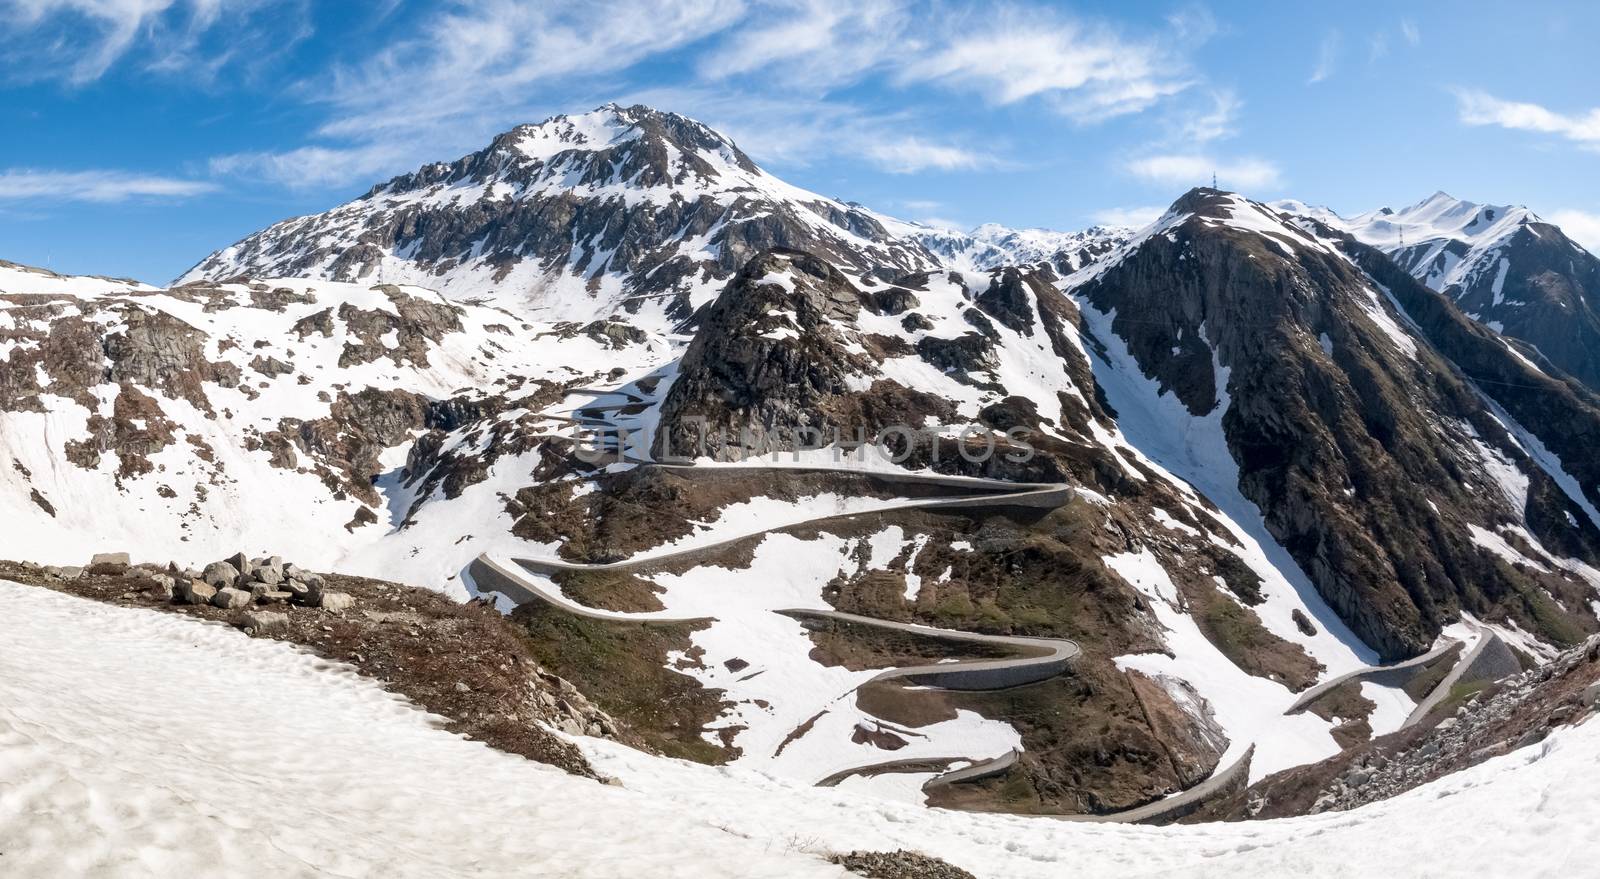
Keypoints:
pixel 196 591
pixel 263 622
pixel 335 602
pixel 220 574
pixel 229 598
pixel 241 563
pixel 109 563
pixel 163 587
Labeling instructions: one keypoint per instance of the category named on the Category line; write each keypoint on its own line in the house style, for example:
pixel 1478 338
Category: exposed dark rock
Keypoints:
pixel 1347 455
pixel 899 864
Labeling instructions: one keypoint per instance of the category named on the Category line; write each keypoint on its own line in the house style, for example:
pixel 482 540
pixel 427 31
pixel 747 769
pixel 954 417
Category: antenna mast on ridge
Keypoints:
pixel 1213 180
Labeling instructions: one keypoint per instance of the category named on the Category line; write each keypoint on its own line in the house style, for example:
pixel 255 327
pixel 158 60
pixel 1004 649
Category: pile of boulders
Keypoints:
pixel 235 583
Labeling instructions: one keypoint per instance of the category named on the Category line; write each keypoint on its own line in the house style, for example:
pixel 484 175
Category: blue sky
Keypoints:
pixel 142 134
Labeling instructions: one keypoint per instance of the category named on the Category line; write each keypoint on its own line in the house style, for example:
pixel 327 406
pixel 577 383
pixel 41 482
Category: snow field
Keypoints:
pixel 136 743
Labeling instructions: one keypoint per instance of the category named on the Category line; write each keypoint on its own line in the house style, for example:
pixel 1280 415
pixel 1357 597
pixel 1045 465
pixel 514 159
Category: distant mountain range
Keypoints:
pixel 1503 266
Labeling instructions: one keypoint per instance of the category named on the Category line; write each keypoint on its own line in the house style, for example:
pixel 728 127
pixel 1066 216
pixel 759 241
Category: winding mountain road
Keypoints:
pixel 524 580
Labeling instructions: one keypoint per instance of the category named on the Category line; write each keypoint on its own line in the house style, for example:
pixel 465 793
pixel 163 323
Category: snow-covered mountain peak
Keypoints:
pixel 1440 217
pixel 620 209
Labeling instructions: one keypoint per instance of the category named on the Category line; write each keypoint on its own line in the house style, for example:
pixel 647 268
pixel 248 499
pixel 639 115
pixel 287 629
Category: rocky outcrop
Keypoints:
pixel 776 365
pixel 899 864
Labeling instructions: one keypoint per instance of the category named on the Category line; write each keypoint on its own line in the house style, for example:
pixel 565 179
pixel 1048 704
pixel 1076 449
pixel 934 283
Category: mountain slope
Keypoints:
pixel 1398 490
pixel 618 209
pixel 1504 267
pixel 194 420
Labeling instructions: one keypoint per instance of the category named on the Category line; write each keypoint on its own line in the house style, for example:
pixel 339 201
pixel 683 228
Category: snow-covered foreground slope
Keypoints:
pixel 140 744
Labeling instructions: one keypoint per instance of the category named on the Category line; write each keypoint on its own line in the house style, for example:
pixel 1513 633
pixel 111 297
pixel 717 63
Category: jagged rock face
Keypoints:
pixel 1504 267
pixel 1370 458
pixel 779 355
pixel 619 209
pixel 794 352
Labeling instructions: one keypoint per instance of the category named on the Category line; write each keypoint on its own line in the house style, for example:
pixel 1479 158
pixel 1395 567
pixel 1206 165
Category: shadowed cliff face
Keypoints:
pixel 1369 454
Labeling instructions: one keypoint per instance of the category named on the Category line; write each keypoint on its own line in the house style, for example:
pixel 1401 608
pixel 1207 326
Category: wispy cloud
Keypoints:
pixel 811 43
pixel 1409 31
pixel 909 155
pixel 1195 170
pixel 1085 70
pixel 796 131
pixel 484 58
pixel 312 167
pixel 1377 47
pixel 1215 122
pixel 1581 226
pixel 791 80
pixel 78 41
pixel 94 186
pixel 1482 108
pixel 1327 57
pixel 1135 216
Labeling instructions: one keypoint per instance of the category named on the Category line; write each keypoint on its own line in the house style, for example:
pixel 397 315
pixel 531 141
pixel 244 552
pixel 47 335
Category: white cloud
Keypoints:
pixel 1377 47
pixel 1196 170
pixel 1135 216
pixel 94 186
pixel 1085 70
pixel 1482 108
pixel 908 155
pixel 1215 123
pixel 1327 57
pixel 312 167
pixel 812 42
pixel 778 129
pixel 485 58
pixel 1581 226
pixel 1408 30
